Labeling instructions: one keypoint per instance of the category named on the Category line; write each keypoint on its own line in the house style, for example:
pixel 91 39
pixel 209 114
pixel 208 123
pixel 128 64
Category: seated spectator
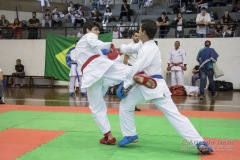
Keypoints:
pixel 47 18
pixel 226 18
pixel 1 87
pixel 236 7
pixel 108 16
pixel 175 7
pixel 122 28
pixel 70 13
pixel 227 32
pixel 116 33
pixel 180 23
pixel 95 3
pixel 17 29
pixel 218 30
pixel 19 68
pixel 163 24
pixel 195 75
pixel 5 28
pixel 79 17
pixel 106 2
pixel 56 18
pixel 96 15
pixel 80 33
pixel 125 11
pixel 189 7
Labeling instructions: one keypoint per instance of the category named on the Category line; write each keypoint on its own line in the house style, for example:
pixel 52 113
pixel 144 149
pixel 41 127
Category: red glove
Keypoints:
pixel 169 68
pixel 184 68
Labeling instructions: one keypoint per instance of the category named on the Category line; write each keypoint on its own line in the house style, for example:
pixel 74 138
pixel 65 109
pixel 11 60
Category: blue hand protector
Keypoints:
pixel 120 93
pixel 105 51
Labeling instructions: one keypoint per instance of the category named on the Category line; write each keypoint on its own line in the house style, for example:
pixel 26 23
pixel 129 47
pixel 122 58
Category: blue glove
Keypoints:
pixel 105 51
pixel 120 93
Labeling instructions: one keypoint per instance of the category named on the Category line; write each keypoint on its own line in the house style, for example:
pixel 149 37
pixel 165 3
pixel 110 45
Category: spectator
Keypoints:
pixel 96 15
pixel 79 17
pixel 47 18
pixel 175 7
pixel 236 7
pixel 163 24
pixel 107 15
pixel 80 33
pixel 122 28
pixel 1 87
pixel 19 68
pixel 116 33
pixel 218 30
pixel 70 13
pixel 195 75
pixel 17 29
pixel 95 3
pixel 226 18
pixel 33 27
pixel 56 18
pixel 227 32
pixel 180 23
pixel 177 63
pixel 125 11
pixel 203 20
pixel 106 2
pixel 206 57
pixel 4 27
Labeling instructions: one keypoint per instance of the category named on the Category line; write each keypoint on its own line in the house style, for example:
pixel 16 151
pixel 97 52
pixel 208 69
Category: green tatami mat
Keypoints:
pixel 157 138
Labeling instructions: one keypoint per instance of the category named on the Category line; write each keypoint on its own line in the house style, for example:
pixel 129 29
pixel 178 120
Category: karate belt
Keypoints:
pixel 76 71
pixel 177 64
pixel 158 76
pixel 88 61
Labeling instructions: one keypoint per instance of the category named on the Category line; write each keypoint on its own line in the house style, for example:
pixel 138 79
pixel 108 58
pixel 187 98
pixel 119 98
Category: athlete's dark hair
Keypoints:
pixel 150 27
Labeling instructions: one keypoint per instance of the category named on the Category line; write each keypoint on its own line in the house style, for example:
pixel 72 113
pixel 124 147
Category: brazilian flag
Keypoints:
pixel 58 48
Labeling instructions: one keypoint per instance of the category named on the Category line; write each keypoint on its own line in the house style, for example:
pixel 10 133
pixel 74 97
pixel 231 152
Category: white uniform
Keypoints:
pixel 98 75
pixel 131 50
pixel 75 73
pixel 177 59
pixel 149 61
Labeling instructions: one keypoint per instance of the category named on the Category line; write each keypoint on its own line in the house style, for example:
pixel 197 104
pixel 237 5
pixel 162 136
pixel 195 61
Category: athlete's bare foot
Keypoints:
pixel 148 82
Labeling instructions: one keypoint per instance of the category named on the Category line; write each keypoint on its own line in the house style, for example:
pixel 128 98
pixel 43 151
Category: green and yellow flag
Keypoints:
pixel 57 49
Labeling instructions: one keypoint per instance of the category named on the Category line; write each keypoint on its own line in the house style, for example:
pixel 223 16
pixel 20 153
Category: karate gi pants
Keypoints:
pixel 181 123
pixel 177 77
pixel 113 76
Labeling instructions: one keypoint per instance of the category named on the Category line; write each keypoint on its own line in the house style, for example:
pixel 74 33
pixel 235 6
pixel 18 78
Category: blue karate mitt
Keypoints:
pixel 105 51
pixel 122 92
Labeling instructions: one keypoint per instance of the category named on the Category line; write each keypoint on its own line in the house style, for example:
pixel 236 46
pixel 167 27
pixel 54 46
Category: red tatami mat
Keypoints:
pixel 16 142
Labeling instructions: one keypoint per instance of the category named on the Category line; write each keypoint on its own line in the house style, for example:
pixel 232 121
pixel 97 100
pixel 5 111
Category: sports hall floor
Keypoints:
pixel 46 124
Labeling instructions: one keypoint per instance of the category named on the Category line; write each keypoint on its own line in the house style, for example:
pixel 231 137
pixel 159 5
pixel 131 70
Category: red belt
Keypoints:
pixel 88 61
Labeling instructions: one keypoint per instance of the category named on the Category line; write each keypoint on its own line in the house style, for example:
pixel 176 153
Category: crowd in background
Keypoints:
pixel 55 18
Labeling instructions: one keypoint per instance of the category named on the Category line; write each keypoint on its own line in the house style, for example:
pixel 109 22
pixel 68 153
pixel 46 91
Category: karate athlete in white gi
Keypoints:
pixel 130 52
pixel 75 74
pixel 177 63
pixel 149 61
pixel 99 73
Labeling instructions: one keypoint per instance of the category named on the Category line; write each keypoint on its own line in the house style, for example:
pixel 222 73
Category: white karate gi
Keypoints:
pixel 98 75
pixel 75 73
pixel 176 57
pixel 149 61
pixel 131 50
